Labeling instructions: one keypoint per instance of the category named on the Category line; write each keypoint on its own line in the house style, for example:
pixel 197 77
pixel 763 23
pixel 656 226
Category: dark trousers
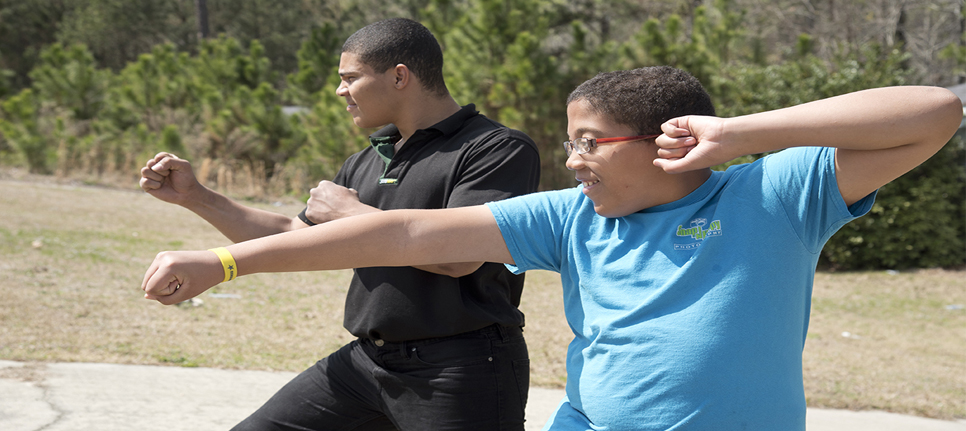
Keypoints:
pixel 473 381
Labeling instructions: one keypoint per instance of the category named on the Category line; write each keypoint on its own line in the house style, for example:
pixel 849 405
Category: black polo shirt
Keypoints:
pixel 466 159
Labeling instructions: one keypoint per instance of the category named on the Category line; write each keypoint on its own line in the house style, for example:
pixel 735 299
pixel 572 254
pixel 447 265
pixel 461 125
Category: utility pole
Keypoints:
pixel 201 6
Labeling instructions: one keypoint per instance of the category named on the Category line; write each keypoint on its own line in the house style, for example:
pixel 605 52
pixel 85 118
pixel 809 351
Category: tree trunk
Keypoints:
pixel 202 10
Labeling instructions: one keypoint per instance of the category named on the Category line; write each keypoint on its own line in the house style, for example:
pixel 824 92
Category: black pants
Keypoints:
pixel 473 381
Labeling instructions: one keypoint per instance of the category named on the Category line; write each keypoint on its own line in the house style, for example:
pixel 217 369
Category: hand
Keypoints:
pixel 176 276
pixel 330 201
pixel 170 179
pixel 691 143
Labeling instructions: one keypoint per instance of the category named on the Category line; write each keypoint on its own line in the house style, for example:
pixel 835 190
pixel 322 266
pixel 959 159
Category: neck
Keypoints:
pixel 423 112
pixel 678 186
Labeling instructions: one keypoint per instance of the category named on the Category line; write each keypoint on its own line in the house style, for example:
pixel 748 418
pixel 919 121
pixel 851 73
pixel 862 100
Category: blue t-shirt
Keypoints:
pixel 693 314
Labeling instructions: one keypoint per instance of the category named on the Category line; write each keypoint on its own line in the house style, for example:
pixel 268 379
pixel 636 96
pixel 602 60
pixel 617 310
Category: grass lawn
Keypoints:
pixel 72 258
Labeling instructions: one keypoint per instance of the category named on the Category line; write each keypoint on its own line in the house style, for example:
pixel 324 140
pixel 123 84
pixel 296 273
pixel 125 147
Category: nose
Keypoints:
pixel 574 161
pixel 342 90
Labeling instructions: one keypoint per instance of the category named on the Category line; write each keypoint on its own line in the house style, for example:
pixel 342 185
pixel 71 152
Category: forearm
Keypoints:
pixel 328 246
pixel 391 238
pixel 354 208
pixel 873 119
pixel 237 222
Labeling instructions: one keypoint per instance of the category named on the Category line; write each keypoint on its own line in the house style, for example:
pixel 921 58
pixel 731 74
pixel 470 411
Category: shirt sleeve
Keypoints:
pixel 504 165
pixel 803 180
pixel 534 230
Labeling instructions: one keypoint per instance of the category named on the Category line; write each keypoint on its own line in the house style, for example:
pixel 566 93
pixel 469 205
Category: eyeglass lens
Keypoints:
pixel 582 145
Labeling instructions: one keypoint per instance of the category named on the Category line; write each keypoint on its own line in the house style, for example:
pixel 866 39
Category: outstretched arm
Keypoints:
pixel 390 238
pixel 879 134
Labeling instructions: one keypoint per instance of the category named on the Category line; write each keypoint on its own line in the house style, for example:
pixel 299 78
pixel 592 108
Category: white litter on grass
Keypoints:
pixel 225 295
pixel 194 302
pixel 848 334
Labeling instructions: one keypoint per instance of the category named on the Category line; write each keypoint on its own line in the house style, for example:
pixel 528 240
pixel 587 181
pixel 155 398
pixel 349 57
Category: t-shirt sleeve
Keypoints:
pixel 503 166
pixel 533 230
pixel 803 179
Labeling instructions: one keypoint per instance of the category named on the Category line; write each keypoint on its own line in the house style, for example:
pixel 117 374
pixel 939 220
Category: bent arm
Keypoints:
pixel 390 238
pixel 172 179
pixel 879 134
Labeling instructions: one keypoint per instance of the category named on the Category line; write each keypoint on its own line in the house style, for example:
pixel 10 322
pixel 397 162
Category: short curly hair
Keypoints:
pixel 644 98
pixel 384 44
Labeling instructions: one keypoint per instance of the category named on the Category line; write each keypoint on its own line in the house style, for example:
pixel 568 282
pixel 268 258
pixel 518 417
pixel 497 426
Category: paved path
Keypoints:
pixel 108 397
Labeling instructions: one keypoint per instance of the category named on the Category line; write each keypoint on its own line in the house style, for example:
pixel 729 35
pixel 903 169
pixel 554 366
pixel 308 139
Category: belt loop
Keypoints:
pixel 503 333
pixel 404 350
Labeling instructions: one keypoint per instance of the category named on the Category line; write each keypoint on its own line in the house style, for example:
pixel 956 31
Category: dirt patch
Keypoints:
pixel 33 372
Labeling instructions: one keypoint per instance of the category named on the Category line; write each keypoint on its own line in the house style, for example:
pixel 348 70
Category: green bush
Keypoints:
pixel 218 102
pixel 20 124
pixel 69 78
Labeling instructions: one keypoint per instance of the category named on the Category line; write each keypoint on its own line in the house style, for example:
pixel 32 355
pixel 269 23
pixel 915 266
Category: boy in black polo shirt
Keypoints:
pixel 440 346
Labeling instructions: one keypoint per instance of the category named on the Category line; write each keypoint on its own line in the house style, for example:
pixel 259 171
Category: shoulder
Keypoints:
pixel 561 202
pixel 799 157
pixel 360 156
pixel 791 162
pixel 484 131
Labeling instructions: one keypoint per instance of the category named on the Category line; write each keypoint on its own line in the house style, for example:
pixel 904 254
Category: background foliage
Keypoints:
pixel 92 88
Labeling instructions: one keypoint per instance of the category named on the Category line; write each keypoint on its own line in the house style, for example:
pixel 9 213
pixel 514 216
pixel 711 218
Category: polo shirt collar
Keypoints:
pixel 454 122
pixel 384 140
pixel 390 134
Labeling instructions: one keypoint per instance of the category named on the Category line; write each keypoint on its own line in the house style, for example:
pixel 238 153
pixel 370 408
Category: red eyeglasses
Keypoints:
pixel 585 145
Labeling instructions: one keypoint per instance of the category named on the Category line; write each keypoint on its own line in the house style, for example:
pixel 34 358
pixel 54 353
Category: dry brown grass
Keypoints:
pixel 906 344
pixel 72 258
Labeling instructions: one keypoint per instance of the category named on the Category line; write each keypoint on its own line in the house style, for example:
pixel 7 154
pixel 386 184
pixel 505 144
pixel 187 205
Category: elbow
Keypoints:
pixel 937 119
pixel 950 115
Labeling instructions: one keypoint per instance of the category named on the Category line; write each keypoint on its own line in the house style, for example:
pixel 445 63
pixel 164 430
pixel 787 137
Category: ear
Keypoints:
pixel 402 75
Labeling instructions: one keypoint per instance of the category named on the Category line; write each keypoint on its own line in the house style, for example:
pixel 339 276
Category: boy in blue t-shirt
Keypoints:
pixel 688 290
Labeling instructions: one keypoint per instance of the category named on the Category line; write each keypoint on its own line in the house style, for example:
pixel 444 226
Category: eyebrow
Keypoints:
pixel 344 72
pixel 581 131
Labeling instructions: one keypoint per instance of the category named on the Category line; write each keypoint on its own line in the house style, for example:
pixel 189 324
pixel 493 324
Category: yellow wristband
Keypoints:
pixel 227 262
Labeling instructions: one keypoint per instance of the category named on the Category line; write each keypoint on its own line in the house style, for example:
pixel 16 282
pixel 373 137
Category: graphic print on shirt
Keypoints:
pixel 697 232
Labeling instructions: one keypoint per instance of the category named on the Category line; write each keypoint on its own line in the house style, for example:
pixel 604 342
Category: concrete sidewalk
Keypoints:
pixel 108 397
